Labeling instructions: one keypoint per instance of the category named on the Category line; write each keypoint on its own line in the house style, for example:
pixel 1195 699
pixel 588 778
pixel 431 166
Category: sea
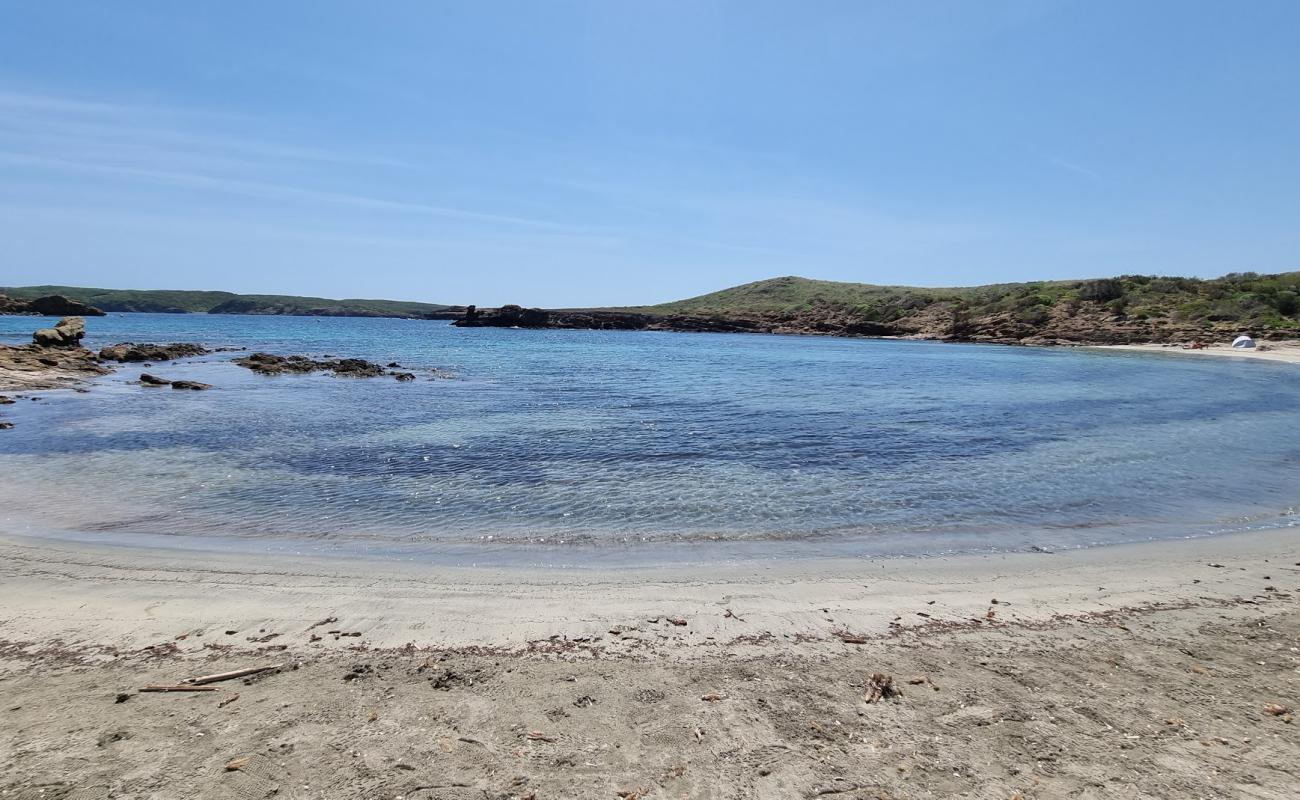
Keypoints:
pixel 629 449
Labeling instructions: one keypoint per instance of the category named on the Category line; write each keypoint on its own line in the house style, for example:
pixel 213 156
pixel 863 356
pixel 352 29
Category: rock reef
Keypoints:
pixel 270 364
pixel 131 352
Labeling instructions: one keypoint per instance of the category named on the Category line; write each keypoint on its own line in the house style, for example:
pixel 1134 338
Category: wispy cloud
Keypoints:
pixel 1077 169
pixel 163 146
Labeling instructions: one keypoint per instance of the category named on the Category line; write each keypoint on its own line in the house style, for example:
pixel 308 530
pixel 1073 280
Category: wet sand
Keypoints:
pixel 1138 670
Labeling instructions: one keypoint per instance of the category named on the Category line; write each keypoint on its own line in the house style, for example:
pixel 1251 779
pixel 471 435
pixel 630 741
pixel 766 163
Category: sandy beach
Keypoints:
pixel 1286 352
pixel 1143 670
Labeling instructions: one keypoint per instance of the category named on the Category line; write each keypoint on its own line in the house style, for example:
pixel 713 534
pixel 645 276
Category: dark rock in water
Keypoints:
pixel 507 316
pixel 55 305
pixel 153 380
pixel 269 364
pixel 404 376
pixel 6 401
pixel 131 351
pixel 191 385
pixel 67 332
pixel 4 426
pixel 394 365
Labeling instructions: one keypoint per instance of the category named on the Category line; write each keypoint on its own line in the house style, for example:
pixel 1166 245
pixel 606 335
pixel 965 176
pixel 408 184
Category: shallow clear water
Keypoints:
pixel 629 447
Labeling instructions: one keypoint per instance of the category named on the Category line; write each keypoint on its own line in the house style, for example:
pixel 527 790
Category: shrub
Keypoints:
pixel 1101 291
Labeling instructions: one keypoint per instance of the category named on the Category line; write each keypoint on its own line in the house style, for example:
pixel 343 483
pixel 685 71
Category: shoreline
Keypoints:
pixel 147 596
pixel 1280 352
pixel 1165 670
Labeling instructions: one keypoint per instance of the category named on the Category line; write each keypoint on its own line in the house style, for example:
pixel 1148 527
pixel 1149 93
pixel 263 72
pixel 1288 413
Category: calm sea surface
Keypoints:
pixel 624 448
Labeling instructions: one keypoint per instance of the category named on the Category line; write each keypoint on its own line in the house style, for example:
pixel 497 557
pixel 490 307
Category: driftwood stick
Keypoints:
pixel 178 688
pixel 225 676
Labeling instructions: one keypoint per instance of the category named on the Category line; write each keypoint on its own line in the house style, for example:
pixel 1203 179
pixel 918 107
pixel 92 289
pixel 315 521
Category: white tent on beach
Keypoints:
pixel 1243 342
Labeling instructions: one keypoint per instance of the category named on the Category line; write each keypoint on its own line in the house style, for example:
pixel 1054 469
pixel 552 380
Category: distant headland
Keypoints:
pixel 1128 309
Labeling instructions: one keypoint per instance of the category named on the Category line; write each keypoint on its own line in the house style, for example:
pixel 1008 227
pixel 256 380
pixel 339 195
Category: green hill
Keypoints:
pixel 170 301
pixel 1248 300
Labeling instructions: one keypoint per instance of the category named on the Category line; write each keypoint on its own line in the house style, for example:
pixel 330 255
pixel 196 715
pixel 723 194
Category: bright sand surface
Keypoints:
pixel 135 597
pixel 1287 352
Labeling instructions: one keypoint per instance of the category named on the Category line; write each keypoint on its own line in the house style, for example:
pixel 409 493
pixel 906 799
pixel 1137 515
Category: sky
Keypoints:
pixel 613 152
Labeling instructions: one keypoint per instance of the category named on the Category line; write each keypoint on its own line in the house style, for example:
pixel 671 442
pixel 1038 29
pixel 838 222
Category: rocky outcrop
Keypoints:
pixel 54 359
pixel 269 364
pixel 67 332
pixel 131 351
pixel 55 305
pixel 512 316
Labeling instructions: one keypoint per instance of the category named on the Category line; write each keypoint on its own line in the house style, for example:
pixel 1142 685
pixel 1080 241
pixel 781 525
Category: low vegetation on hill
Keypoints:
pixel 1130 308
pixel 166 301
pixel 1246 299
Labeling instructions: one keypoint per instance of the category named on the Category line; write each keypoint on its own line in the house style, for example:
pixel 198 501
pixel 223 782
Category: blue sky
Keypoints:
pixel 588 153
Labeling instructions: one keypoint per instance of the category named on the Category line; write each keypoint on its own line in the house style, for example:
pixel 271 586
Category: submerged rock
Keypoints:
pixel 131 351
pixel 152 380
pixel 191 385
pixel 404 376
pixel 269 364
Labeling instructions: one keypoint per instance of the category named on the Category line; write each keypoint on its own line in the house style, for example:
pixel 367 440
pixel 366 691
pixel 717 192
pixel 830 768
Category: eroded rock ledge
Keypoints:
pixel 269 364
pixel 131 352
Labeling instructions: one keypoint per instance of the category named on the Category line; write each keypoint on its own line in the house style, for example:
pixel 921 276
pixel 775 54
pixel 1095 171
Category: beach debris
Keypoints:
pixel 699 734
pixel 228 701
pixel 178 687
pixel 1175 722
pixel 678 621
pixel 924 680
pixel 712 697
pixel 990 614
pixel 236 764
pixel 235 673
pixel 848 637
pixel 1276 709
pixel 373 716
pixel 729 614
pixel 633 794
pixel 586 701
pixel 538 736
pixel 112 736
pixel 323 623
pixel 881 687
pixel 122 697
pixel 358 671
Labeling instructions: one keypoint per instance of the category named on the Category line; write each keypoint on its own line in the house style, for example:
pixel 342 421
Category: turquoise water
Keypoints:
pixel 614 447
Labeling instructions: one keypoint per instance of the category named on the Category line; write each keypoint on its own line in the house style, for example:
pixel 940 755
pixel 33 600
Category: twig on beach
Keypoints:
pixel 326 621
pixel 183 687
pixel 228 701
pixel 225 676
pixel 729 614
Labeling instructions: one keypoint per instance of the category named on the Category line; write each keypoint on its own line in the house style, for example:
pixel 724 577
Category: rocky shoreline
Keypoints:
pixel 1077 327
pixel 56 359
